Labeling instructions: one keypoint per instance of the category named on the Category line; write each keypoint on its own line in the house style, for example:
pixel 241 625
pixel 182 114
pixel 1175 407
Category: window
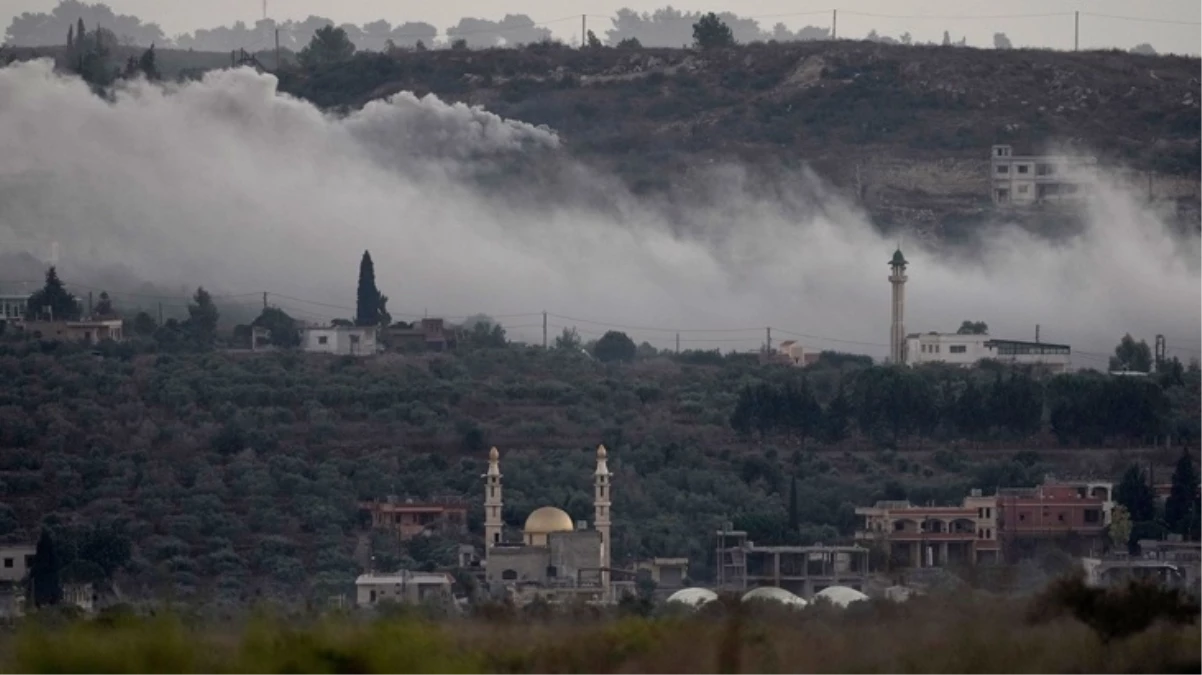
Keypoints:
pixel 1024 168
pixel 1003 168
pixel 1060 517
pixel 354 339
pixel 1044 169
pixel 1022 517
pixel 988 512
pixel 1093 516
pixel 321 340
pixel 8 563
pixel 509 575
pixel 1022 189
pixel 373 596
pixel 958 349
pixel 552 572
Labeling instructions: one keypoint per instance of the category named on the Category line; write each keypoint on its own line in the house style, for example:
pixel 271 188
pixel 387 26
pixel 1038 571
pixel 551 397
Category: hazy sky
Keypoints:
pixel 176 16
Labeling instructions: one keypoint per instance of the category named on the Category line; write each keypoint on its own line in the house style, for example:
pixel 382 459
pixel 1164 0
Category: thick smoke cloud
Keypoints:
pixel 226 183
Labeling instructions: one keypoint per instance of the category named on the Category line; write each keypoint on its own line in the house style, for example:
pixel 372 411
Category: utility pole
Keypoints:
pixel 1036 332
pixel 768 344
pixel 834 24
pixel 544 329
pixel 1160 352
pixel 678 343
pixel 264 299
pixel 583 31
pixel 160 313
pixel 277 49
pixel 233 58
pixel 1076 30
pixel 89 304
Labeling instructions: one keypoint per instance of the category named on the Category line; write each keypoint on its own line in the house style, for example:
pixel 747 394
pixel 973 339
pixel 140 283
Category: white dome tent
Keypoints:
pixel 841 596
pixel 774 594
pixel 693 597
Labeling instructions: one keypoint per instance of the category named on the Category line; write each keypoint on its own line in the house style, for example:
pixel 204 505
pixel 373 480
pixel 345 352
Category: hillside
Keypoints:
pixel 907 128
pixel 220 477
pixel 903 130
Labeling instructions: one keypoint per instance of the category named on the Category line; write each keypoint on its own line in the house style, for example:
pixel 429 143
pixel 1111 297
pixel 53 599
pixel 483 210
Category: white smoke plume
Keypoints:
pixel 226 183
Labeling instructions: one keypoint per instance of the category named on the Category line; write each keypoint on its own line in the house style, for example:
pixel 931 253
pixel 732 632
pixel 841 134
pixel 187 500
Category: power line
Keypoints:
pixel 1116 17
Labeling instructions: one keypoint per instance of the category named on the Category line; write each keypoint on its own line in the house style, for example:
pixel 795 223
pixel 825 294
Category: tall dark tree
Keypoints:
pixel 1180 510
pixel 202 319
pixel 45 588
pixel 711 32
pixel 281 326
pixel 1134 493
pixel 148 66
pixel 804 415
pixel 53 301
pixel 794 518
pixel 1132 355
pixel 104 308
pixel 615 346
pixel 836 419
pixel 973 328
pixel 370 305
pixel 329 45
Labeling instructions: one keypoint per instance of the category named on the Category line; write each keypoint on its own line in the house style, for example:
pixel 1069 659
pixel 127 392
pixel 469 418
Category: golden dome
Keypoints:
pixel 548 519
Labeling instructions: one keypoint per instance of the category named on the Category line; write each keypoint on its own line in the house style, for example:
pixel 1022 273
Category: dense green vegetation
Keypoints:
pixel 173 466
pixel 218 475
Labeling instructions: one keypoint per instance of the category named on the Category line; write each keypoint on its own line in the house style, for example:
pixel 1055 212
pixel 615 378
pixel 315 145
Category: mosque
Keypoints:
pixel 557 560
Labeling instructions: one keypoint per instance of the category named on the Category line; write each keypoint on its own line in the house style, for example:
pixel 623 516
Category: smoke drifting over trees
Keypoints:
pixel 291 197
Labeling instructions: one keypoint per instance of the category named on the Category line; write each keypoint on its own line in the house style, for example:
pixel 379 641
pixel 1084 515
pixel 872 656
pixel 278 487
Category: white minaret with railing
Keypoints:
pixel 492 502
pixel 897 331
pixel 601 503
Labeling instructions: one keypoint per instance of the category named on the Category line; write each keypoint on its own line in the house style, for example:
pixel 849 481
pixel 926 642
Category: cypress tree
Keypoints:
pixel 1179 508
pixel 1134 493
pixel 794 520
pixel 45 586
pixel 367 308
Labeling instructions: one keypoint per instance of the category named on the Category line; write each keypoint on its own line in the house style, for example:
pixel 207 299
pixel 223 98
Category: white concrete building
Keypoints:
pixel 966 350
pixel 1019 180
pixel 402 587
pixel 15 561
pixel 13 306
pixel 341 340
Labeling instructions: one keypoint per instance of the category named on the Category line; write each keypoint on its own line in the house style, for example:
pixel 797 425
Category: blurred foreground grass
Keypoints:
pixel 931 634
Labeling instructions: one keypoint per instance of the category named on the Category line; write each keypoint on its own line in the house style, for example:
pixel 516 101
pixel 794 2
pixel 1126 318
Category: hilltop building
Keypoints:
pixel 556 559
pixel 967 350
pixel 13 307
pixel 339 339
pixel 87 331
pixel 1020 180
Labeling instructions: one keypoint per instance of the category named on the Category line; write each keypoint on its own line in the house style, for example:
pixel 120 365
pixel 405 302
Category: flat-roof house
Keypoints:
pixel 341 340
pixel 402 587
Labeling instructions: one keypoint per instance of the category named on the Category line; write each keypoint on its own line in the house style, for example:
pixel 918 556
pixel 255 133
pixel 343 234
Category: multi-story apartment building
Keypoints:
pixel 934 536
pixel 1019 180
